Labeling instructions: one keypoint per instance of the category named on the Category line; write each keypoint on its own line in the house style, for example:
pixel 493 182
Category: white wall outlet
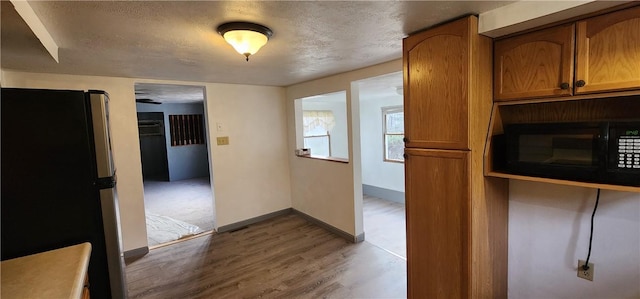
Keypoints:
pixel 586 274
pixel 219 127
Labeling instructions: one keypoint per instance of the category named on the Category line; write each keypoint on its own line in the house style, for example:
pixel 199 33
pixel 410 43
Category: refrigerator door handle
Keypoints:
pixel 100 116
pixel 105 183
pixel 115 258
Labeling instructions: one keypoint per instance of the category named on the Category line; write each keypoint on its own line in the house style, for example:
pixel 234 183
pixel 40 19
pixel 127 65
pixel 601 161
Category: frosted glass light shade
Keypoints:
pixel 246 42
pixel 247 38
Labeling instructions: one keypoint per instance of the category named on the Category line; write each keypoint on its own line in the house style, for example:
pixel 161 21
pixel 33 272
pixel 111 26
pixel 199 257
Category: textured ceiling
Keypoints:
pixel 170 93
pixel 177 40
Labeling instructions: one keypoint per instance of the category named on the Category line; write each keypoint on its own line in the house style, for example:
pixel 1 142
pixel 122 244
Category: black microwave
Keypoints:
pixel 600 152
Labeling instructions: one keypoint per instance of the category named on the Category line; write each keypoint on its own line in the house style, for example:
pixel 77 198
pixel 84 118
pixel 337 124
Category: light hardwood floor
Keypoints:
pixel 385 224
pixel 284 257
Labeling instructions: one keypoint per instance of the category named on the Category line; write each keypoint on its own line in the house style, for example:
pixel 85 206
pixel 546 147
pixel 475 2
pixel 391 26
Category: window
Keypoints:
pixel 316 127
pixel 186 129
pixel 321 125
pixel 393 130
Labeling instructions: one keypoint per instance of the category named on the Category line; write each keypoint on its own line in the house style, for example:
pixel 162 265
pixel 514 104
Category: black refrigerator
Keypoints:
pixel 58 180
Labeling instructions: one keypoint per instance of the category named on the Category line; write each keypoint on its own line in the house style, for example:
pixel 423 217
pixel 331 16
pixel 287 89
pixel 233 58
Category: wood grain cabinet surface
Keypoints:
pixel 545 63
pixel 85 289
pixel 538 64
pixel 456 218
pixel 437 218
pixel 436 72
pixel 608 52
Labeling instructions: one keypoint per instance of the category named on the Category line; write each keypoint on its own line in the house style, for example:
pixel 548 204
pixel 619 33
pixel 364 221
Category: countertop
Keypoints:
pixel 58 273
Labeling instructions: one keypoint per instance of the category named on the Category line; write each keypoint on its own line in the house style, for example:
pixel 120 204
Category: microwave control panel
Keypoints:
pixel 629 152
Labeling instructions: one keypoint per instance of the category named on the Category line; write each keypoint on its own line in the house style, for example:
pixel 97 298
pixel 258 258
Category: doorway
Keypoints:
pixel 174 151
pixel 382 147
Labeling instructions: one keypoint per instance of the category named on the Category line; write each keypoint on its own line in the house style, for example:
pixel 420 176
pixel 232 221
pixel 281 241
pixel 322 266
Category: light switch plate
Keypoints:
pixel 224 140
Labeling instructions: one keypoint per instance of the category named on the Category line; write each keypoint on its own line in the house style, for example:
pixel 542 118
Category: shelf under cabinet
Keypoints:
pixel 611 106
pixel 563 182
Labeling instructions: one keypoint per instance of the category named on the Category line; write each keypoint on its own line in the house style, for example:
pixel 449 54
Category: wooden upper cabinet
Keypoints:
pixel 436 80
pixel 538 64
pixel 608 52
pixel 541 64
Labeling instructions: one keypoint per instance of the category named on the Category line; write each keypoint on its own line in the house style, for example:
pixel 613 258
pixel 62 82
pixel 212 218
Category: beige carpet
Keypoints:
pixel 188 201
pixel 164 229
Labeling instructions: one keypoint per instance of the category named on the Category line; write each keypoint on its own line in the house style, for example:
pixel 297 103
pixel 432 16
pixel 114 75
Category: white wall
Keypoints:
pixel 331 191
pixel 549 229
pixel 250 175
pixel 375 171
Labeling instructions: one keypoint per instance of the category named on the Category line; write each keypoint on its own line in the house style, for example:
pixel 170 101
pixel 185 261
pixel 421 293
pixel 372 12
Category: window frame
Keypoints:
pixel 327 134
pixel 385 111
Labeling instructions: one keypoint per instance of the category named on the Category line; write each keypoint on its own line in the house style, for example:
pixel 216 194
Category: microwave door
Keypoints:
pixel 599 152
pixel 558 149
pixel 576 150
pixel 562 153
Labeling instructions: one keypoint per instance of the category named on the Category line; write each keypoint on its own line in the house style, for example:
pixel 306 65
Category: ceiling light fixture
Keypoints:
pixel 246 38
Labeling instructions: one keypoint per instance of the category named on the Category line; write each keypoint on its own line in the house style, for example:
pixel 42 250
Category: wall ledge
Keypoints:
pixel 332 159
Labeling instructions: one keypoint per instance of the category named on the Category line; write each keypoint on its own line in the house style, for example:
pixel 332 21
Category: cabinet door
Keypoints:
pixel 534 65
pixel 608 52
pixel 437 211
pixel 436 79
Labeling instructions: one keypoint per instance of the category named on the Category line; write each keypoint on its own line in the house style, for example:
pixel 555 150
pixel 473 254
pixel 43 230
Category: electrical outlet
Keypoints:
pixel 586 274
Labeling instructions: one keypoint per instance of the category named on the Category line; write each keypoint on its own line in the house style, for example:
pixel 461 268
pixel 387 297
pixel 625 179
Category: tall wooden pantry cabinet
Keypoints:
pixel 456 218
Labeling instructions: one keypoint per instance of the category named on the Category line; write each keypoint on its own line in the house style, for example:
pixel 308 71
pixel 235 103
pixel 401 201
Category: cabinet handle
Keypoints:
pixel 580 83
pixel 405 156
pixel 564 86
pixel 404 139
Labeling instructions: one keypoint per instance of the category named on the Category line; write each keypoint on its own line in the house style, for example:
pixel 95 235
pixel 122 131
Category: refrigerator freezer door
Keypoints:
pixel 108 196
